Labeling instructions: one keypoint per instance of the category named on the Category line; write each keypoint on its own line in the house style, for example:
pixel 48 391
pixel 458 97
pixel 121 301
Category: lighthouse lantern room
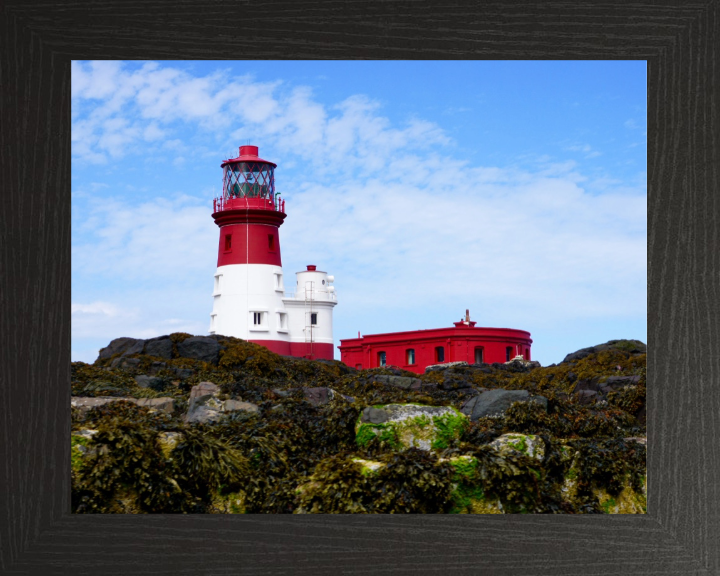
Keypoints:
pixel 249 299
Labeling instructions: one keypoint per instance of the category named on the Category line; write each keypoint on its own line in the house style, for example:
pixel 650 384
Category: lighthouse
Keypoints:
pixel 249 297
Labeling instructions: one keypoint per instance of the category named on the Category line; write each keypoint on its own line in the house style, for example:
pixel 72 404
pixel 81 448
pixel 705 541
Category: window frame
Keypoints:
pixel 408 352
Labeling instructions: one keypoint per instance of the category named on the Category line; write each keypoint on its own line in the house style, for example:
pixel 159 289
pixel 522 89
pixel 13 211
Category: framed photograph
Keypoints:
pixel 678 534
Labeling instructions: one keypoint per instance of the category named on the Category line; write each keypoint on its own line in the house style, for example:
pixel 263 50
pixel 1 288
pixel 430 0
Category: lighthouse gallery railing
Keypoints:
pixel 275 203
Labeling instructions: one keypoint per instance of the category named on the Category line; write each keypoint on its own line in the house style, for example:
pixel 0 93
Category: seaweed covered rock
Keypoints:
pixel 404 426
pixel 161 347
pixel 124 346
pixel 413 481
pixel 468 495
pixel 84 405
pixel 631 346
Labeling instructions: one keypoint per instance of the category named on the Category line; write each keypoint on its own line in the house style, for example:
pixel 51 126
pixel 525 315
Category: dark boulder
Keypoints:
pixel 160 347
pixel 634 347
pixel 318 396
pixel 123 346
pixel 495 402
pixel 200 348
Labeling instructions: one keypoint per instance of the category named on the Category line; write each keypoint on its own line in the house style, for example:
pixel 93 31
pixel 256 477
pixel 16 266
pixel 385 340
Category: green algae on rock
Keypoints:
pixel 527 444
pixel 405 426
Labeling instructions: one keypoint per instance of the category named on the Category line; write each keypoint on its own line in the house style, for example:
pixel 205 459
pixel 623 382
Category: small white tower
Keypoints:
pixel 310 311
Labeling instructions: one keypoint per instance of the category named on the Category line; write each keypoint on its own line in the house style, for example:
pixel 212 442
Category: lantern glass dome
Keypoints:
pixel 249 180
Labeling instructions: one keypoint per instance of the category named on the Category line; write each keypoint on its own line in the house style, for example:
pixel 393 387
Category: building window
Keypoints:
pixel 313 318
pixel 440 354
pixel 358 366
pixel 479 355
pixel 508 353
pixel 278 282
pixel 228 242
pixel 282 321
pixel 527 354
pixel 258 321
pixel 381 358
pixel 218 283
pixel 271 242
pixel 410 356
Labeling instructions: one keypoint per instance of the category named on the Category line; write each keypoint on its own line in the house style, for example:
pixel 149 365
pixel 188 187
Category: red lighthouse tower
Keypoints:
pixel 248 282
pixel 249 301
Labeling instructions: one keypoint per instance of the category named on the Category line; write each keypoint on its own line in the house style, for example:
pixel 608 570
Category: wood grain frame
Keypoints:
pixel 680 535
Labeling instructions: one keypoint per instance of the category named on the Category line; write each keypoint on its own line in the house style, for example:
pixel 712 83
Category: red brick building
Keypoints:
pixel 415 350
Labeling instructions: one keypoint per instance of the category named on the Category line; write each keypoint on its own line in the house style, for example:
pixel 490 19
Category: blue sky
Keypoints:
pixel 515 189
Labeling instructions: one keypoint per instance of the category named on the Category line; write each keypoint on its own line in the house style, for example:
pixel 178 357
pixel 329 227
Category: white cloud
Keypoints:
pixel 160 239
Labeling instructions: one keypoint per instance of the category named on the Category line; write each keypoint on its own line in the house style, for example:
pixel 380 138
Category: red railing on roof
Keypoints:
pixel 276 204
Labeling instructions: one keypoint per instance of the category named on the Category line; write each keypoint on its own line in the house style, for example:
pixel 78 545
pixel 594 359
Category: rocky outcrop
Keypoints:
pixel 494 403
pixel 631 346
pixel 206 406
pixel 161 347
pixel 125 346
pixel 200 348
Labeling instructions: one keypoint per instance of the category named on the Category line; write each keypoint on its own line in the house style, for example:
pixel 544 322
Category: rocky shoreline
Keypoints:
pixel 197 424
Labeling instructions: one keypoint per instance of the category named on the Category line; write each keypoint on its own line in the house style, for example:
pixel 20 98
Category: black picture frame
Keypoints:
pixel 680 533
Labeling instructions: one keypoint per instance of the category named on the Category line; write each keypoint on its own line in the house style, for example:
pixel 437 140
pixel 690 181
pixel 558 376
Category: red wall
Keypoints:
pixel 249 245
pixel 459 345
pixel 320 351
